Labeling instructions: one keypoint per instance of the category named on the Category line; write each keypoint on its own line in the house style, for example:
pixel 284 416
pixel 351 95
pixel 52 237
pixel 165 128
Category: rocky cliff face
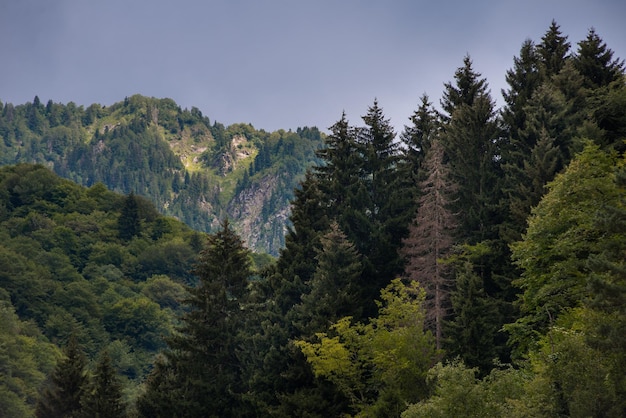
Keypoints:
pixel 260 228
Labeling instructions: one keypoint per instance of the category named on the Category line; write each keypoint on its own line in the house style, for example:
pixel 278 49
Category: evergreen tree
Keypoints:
pixel 419 136
pixel 129 223
pixel 471 144
pixel 203 354
pixel 523 80
pixel 385 208
pixel 296 263
pixel 104 399
pixel 553 50
pixel 61 398
pixel 594 61
pixel 325 194
pixel 533 159
pixel 431 238
pixel 334 288
pixel 472 141
pixel 475 322
pixel 417 139
pixel 467 87
pixel 338 176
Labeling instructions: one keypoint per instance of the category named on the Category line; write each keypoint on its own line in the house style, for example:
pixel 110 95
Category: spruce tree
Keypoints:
pixel 202 356
pixel 105 394
pixel 471 144
pixel 533 159
pixel 553 50
pixel 385 210
pixel 418 136
pixel 594 61
pixel 472 329
pixel 335 288
pixel 523 80
pixel 431 236
pixel 129 223
pixel 467 87
pixel 61 398
pixel 472 141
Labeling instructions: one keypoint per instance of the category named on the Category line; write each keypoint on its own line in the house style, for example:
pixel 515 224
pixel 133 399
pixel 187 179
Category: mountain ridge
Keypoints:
pixel 193 169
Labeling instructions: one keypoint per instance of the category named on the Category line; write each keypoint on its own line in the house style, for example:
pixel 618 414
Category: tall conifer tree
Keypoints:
pixel 385 211
pixel 471 144
pixel 129 222
pixel 523 80
pixel 553 50
pixel 202 356
pixel 105 394
pixel 335 288
pixel 594 61
pixel 68 383
pixel 472 139
pixel 418 136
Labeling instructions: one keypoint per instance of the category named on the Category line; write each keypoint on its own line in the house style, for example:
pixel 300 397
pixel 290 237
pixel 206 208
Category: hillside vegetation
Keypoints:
pixel 105 268
pixel 197 171
pixel 473 266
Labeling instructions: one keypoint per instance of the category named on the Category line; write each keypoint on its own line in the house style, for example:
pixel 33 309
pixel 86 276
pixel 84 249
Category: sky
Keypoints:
pixel 277 64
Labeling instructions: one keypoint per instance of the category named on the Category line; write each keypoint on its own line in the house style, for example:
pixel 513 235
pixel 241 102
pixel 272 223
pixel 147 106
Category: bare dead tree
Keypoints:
pixel 430 239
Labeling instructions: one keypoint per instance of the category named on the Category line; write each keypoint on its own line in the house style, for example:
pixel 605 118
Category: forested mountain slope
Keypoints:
pixel 105 268
pixel 195 170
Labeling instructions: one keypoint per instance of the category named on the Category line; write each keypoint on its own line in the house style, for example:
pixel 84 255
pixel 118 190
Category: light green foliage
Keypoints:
pixel 25 358
pixel 570 377
pixel 381 365
pixel 459 393
pixel 562 233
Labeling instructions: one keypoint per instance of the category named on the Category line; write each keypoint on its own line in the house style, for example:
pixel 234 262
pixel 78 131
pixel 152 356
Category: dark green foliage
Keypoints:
pixel 334 288
pixel 129 224
pixel 62 396
pixel 104 397
pixel 594 61
pixel 202 356
pixel 471 330
pixel 111 271
pixel 418 139
pixel 65 270
pixel 471 145
pixel 523 79
pixel 553 50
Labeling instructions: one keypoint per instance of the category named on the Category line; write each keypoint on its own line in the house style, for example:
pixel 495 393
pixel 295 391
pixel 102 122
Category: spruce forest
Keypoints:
pixel 154 264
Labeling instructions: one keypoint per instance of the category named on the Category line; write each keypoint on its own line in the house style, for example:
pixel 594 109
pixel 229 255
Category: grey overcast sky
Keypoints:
pixel 277 63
